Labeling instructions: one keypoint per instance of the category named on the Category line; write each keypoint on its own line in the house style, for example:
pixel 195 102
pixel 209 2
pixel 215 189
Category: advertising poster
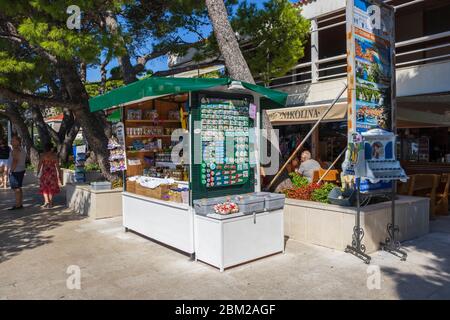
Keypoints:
pixel 371 68
pixel 116 146
pixel 372 41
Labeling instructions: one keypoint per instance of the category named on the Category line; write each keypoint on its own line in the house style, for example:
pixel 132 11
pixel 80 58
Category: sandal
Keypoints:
pixel 15 208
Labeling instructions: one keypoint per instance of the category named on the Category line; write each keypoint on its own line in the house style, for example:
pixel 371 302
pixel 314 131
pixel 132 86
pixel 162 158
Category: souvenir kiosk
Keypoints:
pixel 192 175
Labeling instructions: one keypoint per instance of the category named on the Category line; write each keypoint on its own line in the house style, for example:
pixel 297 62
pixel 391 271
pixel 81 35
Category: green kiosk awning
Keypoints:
pixel 157 86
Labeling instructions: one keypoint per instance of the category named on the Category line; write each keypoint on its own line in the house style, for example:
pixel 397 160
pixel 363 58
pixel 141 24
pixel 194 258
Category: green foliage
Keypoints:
pixel 59 40
pixel 78 142
pixel 298 180
pixel 92 167
pixel 321 194
pixel 68 165
pixel 93 88
pixel 212 74
pixel 277 33
pixel 374 73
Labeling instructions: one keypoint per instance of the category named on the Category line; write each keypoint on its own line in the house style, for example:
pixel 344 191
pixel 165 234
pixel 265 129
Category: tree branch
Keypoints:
pixel 13 36
pixel 42 102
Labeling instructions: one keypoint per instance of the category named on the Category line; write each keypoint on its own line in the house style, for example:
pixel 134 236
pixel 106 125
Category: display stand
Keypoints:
pixel 371 157
pixel 80 158
pixel 391 244
pixel 357 248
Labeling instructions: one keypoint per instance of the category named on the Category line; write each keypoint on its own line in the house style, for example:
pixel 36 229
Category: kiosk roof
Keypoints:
pixel 154 87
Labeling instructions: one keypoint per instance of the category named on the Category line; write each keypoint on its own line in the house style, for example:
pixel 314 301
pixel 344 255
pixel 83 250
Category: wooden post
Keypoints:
pixel 315 147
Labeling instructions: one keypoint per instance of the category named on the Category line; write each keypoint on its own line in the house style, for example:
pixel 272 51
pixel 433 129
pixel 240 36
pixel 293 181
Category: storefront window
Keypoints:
pixel 425 144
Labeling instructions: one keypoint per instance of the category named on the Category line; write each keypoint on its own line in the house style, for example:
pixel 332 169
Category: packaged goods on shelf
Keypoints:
pixel 134 114
pixel 150 115
pixel 174 115
pixel 134 161
pixel 164 157
pixel 138 145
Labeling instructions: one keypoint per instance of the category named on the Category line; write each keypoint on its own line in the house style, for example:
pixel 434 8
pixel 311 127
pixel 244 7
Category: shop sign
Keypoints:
pixel 305 114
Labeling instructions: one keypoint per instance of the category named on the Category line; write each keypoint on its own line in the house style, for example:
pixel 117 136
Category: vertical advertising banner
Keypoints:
pixel 371 68
pixel 371 61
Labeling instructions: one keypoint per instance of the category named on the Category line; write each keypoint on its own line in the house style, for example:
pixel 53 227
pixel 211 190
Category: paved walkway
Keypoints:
pixel 37 246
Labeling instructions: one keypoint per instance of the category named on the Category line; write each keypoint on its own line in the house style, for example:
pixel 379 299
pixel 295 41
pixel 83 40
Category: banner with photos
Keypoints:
pixel 371 70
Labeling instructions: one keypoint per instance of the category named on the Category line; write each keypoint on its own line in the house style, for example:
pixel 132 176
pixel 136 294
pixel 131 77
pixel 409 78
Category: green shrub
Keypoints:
pixel 92 167
pixel 321 194
pixel 298 180
pixel 68 165
pixel 78 142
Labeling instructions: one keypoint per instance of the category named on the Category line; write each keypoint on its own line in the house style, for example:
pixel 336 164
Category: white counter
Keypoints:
pixel 164 221
pixel 229 242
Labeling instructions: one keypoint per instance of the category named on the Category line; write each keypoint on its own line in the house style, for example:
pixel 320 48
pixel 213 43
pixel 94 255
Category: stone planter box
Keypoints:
pixel 91 176
pixel 95 204
pixel 332 226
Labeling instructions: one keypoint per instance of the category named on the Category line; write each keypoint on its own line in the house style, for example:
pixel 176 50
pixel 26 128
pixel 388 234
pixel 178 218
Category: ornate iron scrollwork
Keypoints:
pixel 358 235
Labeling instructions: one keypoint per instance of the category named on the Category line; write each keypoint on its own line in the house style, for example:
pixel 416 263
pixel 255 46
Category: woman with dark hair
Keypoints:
pixel 5 152
pixel 48 169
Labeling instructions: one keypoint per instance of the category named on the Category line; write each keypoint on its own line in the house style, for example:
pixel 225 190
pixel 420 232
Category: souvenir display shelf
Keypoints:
pixel 80 158
pixel 148 140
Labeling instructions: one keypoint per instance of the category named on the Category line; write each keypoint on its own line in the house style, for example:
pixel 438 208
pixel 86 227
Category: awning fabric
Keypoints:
pixel 153 87
pixel 306 114
pixel 114 116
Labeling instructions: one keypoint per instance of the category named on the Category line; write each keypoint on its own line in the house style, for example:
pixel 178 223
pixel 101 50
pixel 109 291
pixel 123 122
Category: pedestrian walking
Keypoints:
pixel 17 170
pixel 4 159
pixel 49 178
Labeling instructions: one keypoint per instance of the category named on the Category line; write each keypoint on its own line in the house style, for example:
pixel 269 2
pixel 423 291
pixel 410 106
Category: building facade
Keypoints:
pixel 422 79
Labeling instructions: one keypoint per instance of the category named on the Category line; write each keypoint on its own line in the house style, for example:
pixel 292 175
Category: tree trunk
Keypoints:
pixel 92 128
pixel 41 126
pixel 128 72
pixel 229 47
pixel 66 143
pixel 235 63
pixel 83 71
pixel 66 124
pixel 12 112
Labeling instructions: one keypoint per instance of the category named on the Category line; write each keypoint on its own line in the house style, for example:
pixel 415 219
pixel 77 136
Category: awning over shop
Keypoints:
pixel 114 116
pixel 154 87
pixel 306 114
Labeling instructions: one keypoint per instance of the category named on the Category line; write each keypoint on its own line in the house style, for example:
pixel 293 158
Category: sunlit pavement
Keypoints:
pixel 38 246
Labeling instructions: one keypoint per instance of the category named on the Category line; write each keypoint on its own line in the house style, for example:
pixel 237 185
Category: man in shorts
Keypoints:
pixel 17 170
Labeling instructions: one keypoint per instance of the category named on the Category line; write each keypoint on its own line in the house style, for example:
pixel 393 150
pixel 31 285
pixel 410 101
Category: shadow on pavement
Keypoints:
pixel 434 280
pixel 25 229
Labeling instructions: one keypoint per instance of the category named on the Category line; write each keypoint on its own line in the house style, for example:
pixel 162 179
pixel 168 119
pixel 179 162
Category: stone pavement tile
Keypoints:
pixel 441 293
pixel 119 265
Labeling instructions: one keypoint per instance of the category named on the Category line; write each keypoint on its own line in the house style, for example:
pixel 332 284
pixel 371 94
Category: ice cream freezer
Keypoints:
pixel 231 241
pixel 256 230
